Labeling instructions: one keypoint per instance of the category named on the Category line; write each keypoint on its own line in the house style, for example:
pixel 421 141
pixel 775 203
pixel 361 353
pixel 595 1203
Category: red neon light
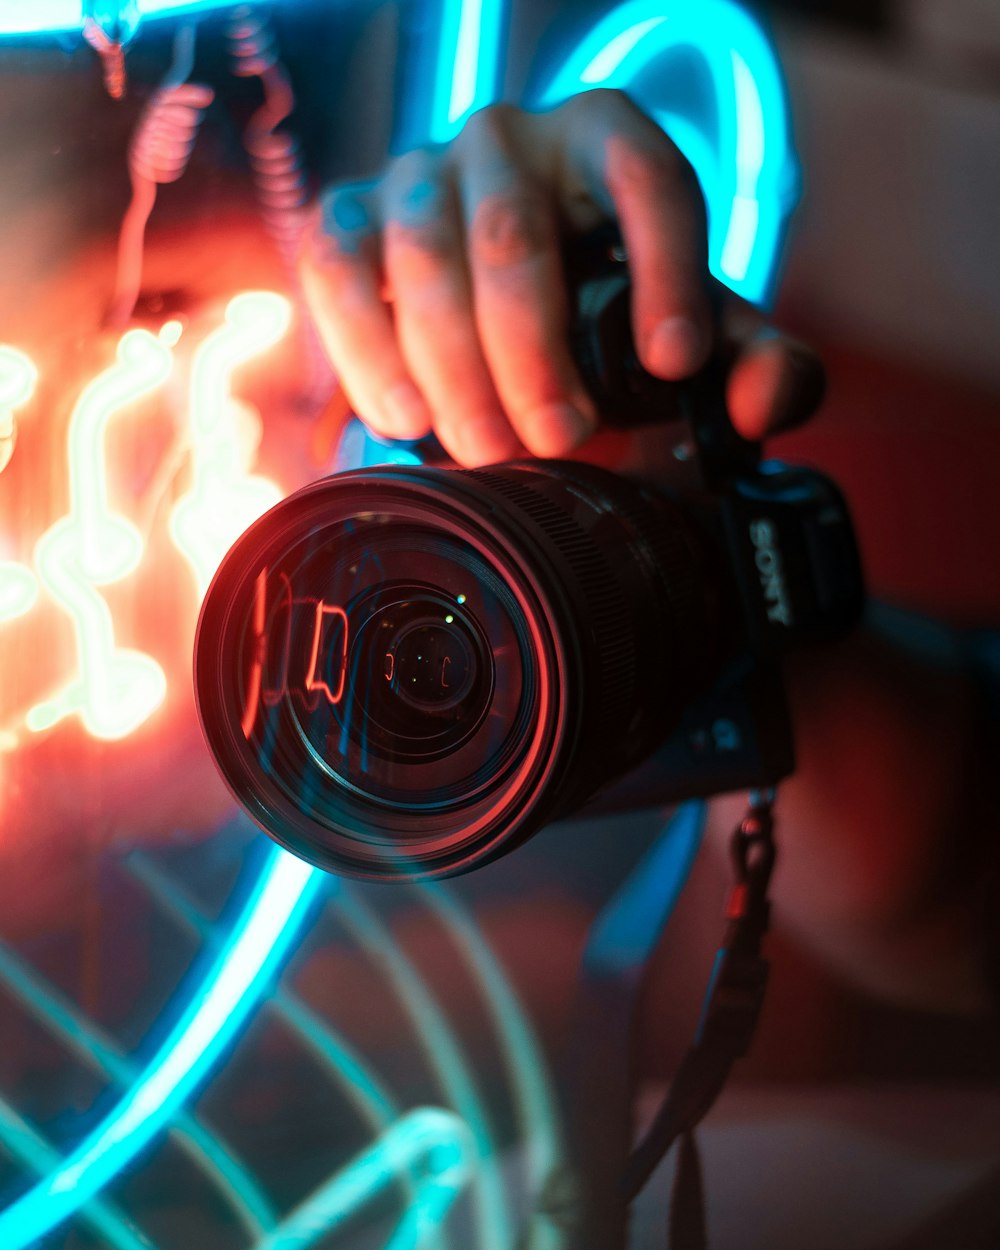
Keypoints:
pixel 312 682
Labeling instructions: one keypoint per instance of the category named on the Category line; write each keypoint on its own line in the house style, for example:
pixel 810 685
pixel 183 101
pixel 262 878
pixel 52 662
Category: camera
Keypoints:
pixel 405 671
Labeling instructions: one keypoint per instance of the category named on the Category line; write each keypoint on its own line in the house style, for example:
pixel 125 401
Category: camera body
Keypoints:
pixel 783 545
pixel 406 671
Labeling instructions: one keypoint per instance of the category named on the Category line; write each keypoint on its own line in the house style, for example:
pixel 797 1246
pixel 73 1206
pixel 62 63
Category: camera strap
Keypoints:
pixel 589 1200
pixel 729 1015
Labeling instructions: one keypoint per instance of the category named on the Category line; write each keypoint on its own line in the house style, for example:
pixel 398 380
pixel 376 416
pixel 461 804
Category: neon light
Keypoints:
pixel 359 448
pixel 39 17
pixel 261 938
pixel 223 500
pixel 64 1020
pixel 317 683
pixel 534 1101
pixel 755 173
pixel 116 689
pixel 468 63
pixel 274 693
pixel 18 590
pixel 446 1059
pixel 252 702
pixel 18 377
pixel 437 1138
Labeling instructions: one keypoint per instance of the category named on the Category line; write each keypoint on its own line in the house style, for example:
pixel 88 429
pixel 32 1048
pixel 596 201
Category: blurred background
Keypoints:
pixel 124 869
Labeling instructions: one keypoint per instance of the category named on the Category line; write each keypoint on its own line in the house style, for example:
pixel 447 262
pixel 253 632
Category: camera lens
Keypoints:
pixel 437 671
pixel 406 671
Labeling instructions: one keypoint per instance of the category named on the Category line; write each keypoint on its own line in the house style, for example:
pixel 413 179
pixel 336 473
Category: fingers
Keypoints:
pixel 342 276
pixel 426 271
pixel 440 293
pixel 519 290
pixel 653 192
pixel 775 382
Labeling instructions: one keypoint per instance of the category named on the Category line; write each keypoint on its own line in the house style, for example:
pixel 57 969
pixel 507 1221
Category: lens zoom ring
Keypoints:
pixel 604 602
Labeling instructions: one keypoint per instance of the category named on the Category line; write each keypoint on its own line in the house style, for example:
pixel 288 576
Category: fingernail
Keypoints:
pixel 406 411
pixel 676 348
pixel 555 429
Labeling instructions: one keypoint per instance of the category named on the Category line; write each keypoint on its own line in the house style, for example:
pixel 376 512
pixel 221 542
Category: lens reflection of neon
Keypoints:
pixel 224 499
pixel 260 940
pixel 116 689
pixel 323 612
pixel 755 173
pixel 18 376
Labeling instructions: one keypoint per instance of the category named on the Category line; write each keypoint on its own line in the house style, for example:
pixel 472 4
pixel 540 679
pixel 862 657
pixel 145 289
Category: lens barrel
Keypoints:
pixel 405 671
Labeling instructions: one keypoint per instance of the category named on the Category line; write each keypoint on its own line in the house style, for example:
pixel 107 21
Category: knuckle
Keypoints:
pixel 646 171
pixel 509 228
pixel 344 211
pixel 598 100
pixel 415 188
pixel 418 253
pixel 339 264
pixel 491 125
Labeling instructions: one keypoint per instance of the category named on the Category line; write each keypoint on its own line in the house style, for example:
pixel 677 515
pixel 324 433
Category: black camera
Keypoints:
pixel 406 671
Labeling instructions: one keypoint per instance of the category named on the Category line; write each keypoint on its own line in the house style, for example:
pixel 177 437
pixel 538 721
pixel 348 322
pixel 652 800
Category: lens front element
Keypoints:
pixel 406 671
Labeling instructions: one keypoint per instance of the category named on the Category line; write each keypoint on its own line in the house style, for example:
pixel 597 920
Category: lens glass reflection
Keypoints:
pixel 384 662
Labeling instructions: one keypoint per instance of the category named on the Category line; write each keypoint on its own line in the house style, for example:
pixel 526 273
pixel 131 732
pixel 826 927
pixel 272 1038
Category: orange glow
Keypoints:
pixel 18 376
pixel 257 666
pixel 115 689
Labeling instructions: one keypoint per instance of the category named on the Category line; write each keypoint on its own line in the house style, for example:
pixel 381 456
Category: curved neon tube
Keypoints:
pixel 756 172
pixel 261 939
pixel 469 62
pixel 92 546
pixel 224 498
pixel 445 1058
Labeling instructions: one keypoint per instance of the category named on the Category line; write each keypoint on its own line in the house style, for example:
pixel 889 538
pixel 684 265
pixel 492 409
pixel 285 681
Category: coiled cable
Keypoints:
pixel 274 154
pixel 279 174
pixel 158 153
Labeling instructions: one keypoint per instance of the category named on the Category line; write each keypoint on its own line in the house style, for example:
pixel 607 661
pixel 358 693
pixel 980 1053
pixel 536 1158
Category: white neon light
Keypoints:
pixel 116 689
pixel 39 17
pixel 18 590
pixel 18 377
pixel 610 57
pixel 36 17
pixel 468 65
pixel 224 498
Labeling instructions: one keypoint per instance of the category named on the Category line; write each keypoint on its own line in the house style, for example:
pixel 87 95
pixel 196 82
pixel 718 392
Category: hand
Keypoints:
pixel 439 293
